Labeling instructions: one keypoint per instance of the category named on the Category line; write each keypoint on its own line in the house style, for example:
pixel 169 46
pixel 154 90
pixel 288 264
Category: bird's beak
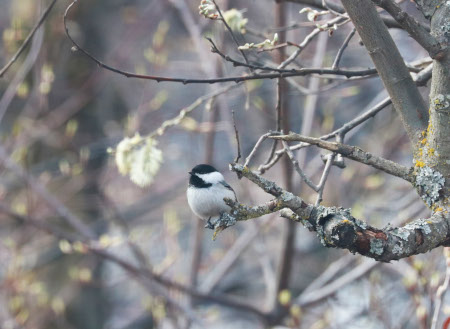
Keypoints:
pixel 190 173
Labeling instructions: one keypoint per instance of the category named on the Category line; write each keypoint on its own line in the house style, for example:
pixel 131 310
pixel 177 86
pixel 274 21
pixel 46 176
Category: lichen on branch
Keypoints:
pixel 337 228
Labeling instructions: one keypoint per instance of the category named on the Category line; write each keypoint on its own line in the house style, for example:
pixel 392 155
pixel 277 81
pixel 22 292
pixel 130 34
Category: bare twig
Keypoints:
pixel 238 156
pixel 27 39
pixel 188 109
pixel 297 167
pixel 355 153
pixel 421 79
pixel 230 31
pixel 331 288
pixel 214 49
pixel 309 38
pixel 329 273
pixel 42 192
pixel 287 252
pixel 300 72
pixel 323 179
pixel 388 21
pixel 21 73
pixel 341 50
pixel 256 147
pixel 142 274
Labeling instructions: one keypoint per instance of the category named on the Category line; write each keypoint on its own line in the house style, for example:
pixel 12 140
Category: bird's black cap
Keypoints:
pixel 202 169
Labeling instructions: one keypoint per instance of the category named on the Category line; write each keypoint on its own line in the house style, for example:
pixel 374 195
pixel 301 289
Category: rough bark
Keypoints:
pixel 436 140
pixel 337 228
pixel 410 24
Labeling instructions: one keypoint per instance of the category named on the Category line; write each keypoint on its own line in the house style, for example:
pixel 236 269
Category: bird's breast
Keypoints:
pixel 208 202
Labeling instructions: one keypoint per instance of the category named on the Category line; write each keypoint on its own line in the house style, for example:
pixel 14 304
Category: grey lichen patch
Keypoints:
pixel 287 196
pixel 224 221
pixel 323 212
pixel 429 183
pixel 442 102
pixel 398 249
pixel 445 28
pixel 360 223
pixel 376 247
pixel 401 233
pixel 419 224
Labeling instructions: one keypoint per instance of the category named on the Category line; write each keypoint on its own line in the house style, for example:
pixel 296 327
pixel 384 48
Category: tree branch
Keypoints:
pixel 236 79
pixel 355 153
pixel 415 30
pixel 389 21
pixel 27 39
pixel 390 65
pixel 337 228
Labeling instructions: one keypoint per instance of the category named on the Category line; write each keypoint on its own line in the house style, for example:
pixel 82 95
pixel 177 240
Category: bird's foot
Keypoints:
pixel 209 224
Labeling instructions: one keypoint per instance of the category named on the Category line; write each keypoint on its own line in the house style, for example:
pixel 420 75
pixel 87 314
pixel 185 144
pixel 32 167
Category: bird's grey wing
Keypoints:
pixel 229 188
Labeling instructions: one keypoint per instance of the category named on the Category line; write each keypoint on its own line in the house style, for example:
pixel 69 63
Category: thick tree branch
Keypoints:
pixel 415 30
pixel 337 228
pixel 436 142
pixel 355 153
pixel 390 65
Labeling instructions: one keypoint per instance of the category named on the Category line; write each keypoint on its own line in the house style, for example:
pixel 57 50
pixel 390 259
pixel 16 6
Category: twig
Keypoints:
pixel 329 273
pixel 21 73
pixel 42 192
pixel 257 145
pixel 324 177
pixel 415 30
pixel 236 79
pixel 421 79
pixel 331 288
pixel 355 153
pixel 294 26
pixel 188 109
pixel 341 50
pixel 27 39
pixel 297 167
pixel 334 12
pixel 361 118
pixel 308 39
pixel 441 290
pixel 388 21
pixel 237 138
pixel 230 31
pixel 215 50
pixel 228 260
pixel 143 275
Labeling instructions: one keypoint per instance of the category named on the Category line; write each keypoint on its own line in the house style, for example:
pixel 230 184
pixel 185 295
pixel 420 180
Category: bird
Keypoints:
pixel 205 193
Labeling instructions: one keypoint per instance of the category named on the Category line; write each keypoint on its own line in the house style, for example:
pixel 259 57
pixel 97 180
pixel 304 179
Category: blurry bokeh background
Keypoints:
pixel 60 112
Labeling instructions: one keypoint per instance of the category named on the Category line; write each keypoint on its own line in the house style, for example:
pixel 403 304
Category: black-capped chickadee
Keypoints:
pixel 206 191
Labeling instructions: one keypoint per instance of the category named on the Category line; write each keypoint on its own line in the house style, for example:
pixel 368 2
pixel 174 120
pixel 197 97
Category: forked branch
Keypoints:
pixel 337 228
pixel 354 153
